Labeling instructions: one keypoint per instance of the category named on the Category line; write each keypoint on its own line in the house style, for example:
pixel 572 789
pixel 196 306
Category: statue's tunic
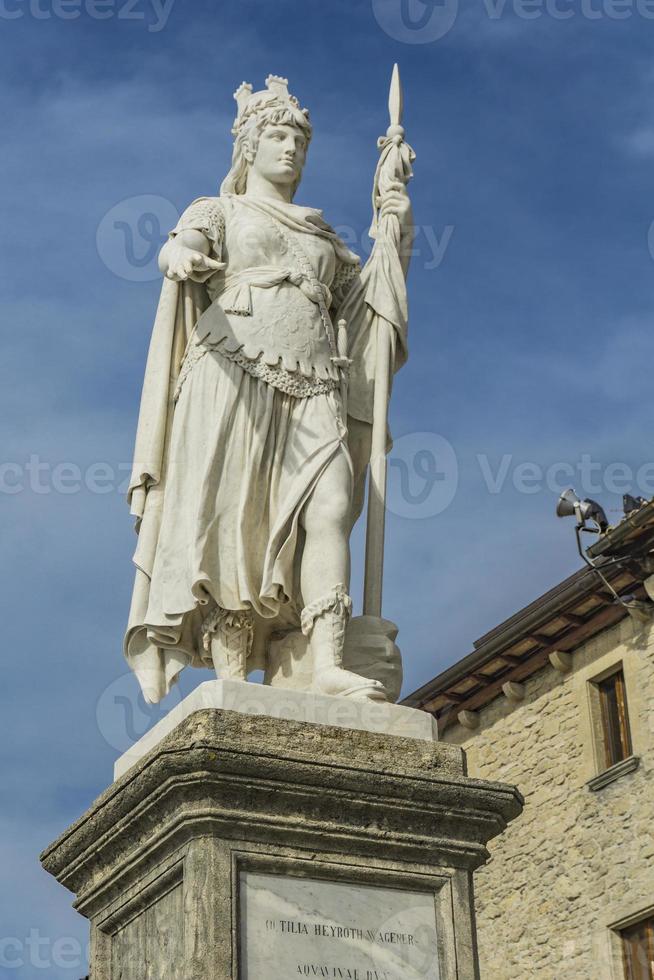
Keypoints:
pixel 256 421
pixel 271 300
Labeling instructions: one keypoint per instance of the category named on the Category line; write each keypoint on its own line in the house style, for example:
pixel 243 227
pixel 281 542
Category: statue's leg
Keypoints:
pixel 228 635
pixel 326 522
pixel 325 575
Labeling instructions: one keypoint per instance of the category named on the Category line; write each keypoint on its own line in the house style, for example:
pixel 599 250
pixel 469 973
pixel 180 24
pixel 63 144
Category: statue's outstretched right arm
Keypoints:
pixel 193 249
pixel 187 256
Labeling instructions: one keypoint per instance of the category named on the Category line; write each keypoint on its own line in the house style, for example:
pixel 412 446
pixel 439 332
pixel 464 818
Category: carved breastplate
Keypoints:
pixel 270 303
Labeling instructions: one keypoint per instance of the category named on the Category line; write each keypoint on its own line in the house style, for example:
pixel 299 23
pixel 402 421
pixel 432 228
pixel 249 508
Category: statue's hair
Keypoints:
pixel 247 138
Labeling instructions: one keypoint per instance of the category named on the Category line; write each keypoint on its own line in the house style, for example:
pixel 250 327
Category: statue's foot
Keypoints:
pixel 339 682
pixel 225 673
pixel 229 659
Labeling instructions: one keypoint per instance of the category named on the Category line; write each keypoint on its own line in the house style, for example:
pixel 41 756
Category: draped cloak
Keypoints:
pixel 378 292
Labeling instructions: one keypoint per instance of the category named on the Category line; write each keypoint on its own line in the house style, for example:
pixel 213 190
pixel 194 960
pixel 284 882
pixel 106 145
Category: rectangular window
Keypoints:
pixel 615 719
pixel 638 948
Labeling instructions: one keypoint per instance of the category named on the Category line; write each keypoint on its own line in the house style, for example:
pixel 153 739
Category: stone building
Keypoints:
pixel 559 700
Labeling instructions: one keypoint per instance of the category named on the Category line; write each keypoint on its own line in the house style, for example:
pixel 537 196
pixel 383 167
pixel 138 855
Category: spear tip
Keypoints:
pixel 395 102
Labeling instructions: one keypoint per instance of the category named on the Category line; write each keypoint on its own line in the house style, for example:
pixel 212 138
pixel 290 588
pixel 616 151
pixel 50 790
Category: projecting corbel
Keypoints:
pixel 513 691
pixel 468 719
pixel 561 661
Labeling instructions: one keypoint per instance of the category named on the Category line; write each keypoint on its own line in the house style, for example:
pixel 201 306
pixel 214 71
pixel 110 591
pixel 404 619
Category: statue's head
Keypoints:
pixel 271 135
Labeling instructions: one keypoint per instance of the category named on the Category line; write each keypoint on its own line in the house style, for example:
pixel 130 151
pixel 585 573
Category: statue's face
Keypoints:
pixel 280 154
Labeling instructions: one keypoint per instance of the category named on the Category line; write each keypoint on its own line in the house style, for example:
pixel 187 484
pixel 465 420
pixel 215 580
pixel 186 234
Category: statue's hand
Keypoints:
pixel 396 200
pixel 183 263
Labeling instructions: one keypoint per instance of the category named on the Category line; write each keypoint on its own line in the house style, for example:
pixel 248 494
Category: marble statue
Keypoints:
pixel 256 419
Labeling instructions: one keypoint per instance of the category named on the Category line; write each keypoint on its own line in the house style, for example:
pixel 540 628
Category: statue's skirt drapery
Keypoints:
pixel 247 457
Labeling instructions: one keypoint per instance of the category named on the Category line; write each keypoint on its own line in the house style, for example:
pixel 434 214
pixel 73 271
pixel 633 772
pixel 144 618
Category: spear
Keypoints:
pixel 394 164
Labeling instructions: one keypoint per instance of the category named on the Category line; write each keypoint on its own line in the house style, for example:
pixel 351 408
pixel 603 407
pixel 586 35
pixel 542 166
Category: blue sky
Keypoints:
pixel 530 334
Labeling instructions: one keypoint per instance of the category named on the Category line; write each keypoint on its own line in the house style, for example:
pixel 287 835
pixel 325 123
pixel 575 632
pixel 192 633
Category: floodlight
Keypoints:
pixel 570 505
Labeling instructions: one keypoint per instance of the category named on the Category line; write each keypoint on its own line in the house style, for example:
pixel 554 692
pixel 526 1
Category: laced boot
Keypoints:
pixel 324 622
pixel 228 638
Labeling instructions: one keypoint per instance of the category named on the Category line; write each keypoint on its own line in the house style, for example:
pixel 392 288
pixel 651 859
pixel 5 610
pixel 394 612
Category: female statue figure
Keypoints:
pixel 248 472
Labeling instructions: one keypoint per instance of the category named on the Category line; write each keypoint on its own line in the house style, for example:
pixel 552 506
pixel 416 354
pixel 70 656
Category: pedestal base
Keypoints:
pixel 292 705
pixel 260 848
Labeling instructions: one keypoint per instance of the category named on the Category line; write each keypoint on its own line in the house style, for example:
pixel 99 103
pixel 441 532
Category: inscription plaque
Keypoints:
pixel 301 927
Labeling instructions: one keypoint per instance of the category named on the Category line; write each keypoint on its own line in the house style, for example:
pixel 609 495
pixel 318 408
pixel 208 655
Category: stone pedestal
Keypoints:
pixel 240 845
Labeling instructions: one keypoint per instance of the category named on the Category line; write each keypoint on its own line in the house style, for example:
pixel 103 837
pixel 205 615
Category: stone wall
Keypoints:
pixel 577 863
